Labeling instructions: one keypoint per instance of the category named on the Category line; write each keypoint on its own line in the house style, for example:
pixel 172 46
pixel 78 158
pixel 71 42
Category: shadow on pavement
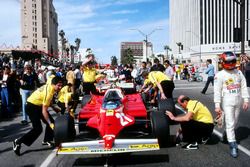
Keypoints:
pixel 123 159
pixel 214 139
pixel 242 133
pixel 35 150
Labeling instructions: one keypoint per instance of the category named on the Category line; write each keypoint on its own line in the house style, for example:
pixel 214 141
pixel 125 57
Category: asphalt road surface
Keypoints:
pixel 214 153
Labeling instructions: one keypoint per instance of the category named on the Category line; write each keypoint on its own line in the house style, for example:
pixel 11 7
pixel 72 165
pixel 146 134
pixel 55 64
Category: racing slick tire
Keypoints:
pixel 160 128
pixel 85 100
pixel 64 130
pixel 166 104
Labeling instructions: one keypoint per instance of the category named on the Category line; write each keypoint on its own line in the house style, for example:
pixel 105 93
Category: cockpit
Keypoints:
pixel 112 99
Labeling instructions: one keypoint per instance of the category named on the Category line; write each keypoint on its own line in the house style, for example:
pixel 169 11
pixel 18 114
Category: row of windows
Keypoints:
pixel 218 18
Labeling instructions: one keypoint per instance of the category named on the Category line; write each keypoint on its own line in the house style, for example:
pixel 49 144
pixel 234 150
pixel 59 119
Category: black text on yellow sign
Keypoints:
pixel 73 149
pixel 144 146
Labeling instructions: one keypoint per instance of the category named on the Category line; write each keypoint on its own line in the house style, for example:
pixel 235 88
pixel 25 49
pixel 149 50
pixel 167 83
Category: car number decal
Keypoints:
pixel 124 120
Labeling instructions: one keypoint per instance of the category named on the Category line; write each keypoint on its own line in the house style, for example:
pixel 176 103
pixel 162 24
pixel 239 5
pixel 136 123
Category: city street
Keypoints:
pixel 214 153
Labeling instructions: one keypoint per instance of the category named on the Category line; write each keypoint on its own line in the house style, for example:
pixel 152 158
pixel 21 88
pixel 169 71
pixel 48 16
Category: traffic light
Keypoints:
pixel 181 47
pixel 248 42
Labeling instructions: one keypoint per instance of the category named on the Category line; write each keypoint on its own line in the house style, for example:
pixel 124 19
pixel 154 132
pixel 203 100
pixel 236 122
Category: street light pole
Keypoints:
pixel 146 37
pixel 199 42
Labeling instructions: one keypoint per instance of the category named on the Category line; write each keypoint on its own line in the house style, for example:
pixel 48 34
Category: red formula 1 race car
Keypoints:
pixel 113 116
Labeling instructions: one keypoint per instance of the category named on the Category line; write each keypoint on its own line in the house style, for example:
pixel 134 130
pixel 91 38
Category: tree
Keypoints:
pixel 167 48
pixel 114 61
pixel 77 42
pixel 128 57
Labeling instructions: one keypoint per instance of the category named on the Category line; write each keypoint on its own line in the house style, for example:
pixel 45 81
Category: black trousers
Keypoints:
pixel 89 87
pixel 62 106
pixel 209 79
pixel 35 114
pixel 194 131
pixel 168 88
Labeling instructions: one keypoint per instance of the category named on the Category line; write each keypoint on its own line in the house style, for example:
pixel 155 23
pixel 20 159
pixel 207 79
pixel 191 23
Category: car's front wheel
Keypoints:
pixel 160 128
pixel 64 130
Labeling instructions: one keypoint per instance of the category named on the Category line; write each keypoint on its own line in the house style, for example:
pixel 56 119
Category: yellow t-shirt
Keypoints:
pixel 157 76
pixel 42 96
pixel 64 96
pixel 201 112
pixel 50 79
pixel 89 74
pixel 70 77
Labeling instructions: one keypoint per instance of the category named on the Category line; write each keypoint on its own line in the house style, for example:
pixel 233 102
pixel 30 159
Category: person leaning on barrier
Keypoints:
pixel 37 110
pixel 196 125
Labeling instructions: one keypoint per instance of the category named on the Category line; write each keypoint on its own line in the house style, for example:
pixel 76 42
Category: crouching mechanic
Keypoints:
pixel 196 125
pixel 229 89
pixel 37 110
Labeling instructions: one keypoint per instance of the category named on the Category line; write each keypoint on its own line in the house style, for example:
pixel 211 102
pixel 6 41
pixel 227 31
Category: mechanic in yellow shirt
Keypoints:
pixel 89 75
pixel 37 110
pixel 196 125
pixel 65 98
pixel 164 84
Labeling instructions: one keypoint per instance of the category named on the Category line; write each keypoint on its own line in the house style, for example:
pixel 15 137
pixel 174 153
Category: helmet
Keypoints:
pixel 228 60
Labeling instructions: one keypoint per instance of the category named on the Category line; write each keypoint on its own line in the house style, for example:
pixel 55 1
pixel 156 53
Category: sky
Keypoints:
pixel 100 24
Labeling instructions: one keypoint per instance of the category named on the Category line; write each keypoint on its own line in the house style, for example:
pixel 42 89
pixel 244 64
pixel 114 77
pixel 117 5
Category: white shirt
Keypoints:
pixel 169 72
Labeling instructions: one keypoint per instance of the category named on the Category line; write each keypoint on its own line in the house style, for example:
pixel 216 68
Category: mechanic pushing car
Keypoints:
pixel 165 84
pixel 65 98
pixel 229 89
pixel 196 125
pixel 37 110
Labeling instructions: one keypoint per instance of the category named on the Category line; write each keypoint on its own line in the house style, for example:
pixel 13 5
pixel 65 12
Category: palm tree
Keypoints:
pixel 78 42
pixel 167 48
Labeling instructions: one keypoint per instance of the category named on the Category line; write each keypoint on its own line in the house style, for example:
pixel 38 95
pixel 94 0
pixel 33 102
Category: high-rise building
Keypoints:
pixel 205 28
pixel 139 50
pixel 39 26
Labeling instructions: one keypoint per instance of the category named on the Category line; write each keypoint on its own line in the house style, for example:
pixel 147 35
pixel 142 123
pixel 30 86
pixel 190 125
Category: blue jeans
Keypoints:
pixel 25 94
pixel 6 102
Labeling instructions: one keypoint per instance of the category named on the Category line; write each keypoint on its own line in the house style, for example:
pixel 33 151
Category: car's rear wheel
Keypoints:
pixel 64 130
pixel 160 128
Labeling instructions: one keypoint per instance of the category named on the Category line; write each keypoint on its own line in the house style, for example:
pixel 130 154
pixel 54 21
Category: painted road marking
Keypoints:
pixel 240 147
pixel 194 87
pixel 48 160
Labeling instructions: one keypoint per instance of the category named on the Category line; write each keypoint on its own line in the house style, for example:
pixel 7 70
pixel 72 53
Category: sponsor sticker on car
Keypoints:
pixel 143 146
pixel 109 112
pixel 73 149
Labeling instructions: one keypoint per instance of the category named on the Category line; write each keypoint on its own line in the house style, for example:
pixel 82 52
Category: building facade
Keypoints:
pixel 205 28
pixel 142 51
pixel 39 26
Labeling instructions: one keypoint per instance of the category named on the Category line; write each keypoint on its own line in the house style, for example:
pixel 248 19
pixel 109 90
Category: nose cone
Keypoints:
pixel 108 141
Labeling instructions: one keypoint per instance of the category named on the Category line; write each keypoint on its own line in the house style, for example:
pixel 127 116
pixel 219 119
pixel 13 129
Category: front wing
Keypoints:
pixel 120 146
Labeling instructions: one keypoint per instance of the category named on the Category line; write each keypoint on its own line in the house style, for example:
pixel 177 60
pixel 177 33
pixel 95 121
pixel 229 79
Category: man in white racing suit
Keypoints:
pixel 229 89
